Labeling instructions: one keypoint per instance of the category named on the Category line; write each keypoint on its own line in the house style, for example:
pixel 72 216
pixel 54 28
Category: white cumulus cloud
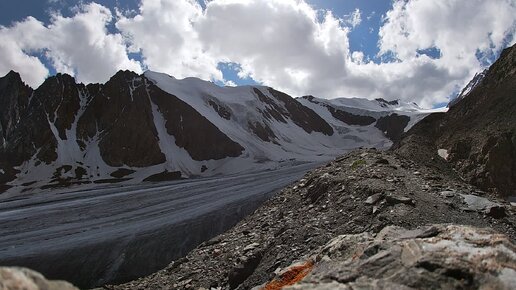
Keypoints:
pixel 280 43
pixel 163 32
pixel 286 44
pixel 461 30
pixel 78 45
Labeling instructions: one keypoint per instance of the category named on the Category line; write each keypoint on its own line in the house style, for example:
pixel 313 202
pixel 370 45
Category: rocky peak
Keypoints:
pixel 385 103
pixel 14 99
pixel 124 75
pixel 60 98
pixel 13 76
pixel 477 79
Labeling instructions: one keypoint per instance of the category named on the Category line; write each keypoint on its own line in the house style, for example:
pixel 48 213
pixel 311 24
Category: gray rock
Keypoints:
pixel 448 193
pixel 395 199
pixel 477 203
pixel 251 247
pixel 435 257
pixel 374 198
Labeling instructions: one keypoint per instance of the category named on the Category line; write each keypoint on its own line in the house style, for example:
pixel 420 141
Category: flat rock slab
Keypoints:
pixel 477 203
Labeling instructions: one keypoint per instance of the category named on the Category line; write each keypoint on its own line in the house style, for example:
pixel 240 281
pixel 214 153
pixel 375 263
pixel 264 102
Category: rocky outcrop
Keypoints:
pixel 301 115
pixel 477 79
pixel 384 103
pixel 263 132
pixel 14 99
pixel 346 117
pixel 351 119
pixel 478 132
pixel 281 107
pixel 361 192
pixel 393 125
pixel 431 257
pixel 186 124
pixel 119 115
pixel 25 126
pixel 22 278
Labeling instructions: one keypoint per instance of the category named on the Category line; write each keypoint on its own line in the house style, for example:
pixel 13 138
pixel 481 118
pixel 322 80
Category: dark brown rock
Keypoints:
pixel 223 111
pixel 496 212
pixel 120 114
pixel 243 270
pixel 349 118
pixel 122 172
pixel 393 125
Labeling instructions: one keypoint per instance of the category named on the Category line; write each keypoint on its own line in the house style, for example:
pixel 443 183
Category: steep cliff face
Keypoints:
pixel 478 133
pixel 15 99
pixel 393 125
pixel 119 116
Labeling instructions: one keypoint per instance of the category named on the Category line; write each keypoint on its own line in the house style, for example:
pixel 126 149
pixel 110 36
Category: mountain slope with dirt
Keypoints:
pixel 364 191
pixel 477 136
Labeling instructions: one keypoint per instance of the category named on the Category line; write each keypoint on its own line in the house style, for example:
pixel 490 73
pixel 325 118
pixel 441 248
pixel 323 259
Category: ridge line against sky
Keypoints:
pixel 414 50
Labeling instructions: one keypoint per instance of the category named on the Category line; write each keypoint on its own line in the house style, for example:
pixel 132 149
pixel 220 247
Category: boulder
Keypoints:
pixel 433 257
pixel 13 278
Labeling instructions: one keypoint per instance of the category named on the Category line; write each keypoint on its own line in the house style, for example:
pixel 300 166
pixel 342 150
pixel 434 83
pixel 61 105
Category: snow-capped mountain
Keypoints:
pixel 368 120
pixel 473 83
pixel 153 127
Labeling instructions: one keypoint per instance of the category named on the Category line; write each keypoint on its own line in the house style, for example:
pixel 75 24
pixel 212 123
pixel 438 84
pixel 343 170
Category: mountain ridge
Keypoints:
pixel 156 127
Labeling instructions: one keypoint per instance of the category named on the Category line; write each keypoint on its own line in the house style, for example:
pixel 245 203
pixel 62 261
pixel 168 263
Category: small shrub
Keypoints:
pixel 358 163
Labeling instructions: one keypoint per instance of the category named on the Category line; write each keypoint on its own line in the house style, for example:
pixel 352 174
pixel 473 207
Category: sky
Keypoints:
pixel 414 50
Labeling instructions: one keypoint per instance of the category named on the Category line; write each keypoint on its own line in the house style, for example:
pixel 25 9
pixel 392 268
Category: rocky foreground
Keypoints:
pixel 364 201
pixel 24 279
pixel 446 257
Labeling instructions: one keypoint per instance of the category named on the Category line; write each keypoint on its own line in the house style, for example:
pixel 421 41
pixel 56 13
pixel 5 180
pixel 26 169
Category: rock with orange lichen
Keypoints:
pixel 433 257
pixel 290 276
